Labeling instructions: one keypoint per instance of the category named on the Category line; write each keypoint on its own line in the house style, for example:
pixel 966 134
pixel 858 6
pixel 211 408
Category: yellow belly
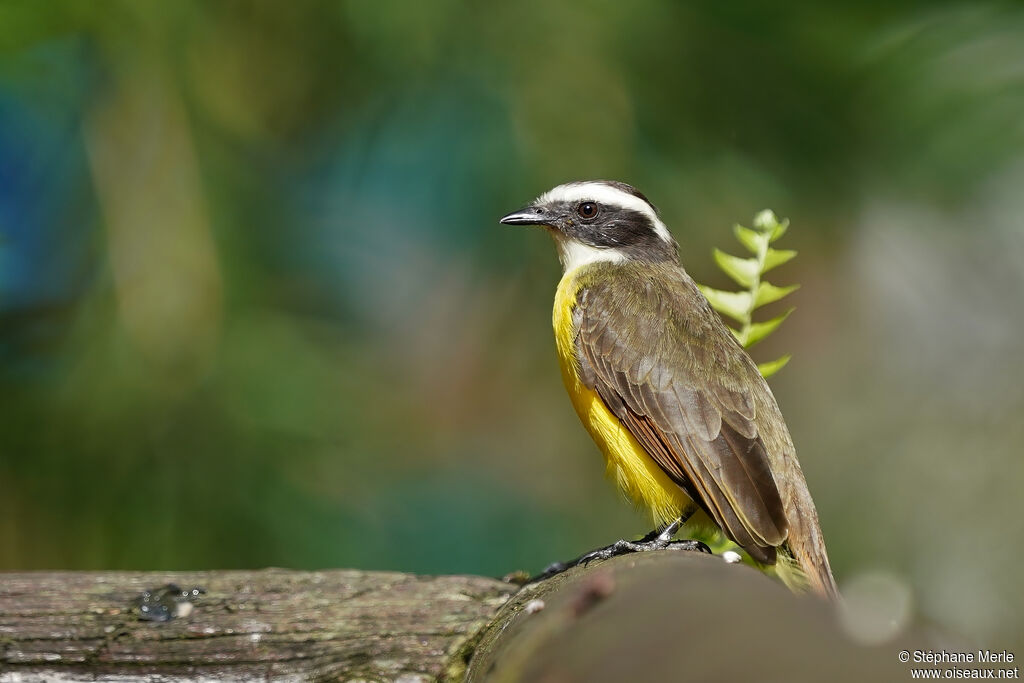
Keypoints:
pixel 627 464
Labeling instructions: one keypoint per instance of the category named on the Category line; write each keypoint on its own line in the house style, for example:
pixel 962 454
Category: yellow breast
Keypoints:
pixel 627 464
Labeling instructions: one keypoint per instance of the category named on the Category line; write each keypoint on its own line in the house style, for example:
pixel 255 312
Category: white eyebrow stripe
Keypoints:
pixel 605 194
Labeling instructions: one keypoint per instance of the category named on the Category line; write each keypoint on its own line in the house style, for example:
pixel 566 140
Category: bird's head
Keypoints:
pixel 599 220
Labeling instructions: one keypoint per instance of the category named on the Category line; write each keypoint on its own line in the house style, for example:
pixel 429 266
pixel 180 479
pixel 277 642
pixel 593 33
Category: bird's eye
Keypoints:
pixel 587 210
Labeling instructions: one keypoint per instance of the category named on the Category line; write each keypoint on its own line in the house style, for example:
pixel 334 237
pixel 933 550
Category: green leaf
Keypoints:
pixel 759 331
pixel 742 270
pixel 766 220
pixel 751 239
pixel 749 273
pixel 771 367
pixel 736 305
pixel 780 230
pixel 776 257
pixel 767 293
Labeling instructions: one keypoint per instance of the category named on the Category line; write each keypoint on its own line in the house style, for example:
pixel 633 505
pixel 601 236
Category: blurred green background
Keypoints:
pixel 256 308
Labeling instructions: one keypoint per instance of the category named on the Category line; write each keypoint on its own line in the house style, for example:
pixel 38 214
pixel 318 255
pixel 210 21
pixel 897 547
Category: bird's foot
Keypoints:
pixel 624 547
pixel 660 539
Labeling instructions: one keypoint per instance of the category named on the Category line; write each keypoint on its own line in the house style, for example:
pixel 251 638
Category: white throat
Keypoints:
pixel 573 253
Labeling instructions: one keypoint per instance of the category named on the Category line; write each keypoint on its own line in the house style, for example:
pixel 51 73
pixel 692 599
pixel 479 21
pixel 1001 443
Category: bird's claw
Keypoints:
pixel 649 543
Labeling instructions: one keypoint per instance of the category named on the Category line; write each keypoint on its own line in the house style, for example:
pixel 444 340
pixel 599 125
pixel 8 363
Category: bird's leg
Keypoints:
pixel 659 539
pixel 666 532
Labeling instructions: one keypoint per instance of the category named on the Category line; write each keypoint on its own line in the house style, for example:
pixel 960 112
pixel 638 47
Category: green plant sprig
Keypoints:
pixel 749 273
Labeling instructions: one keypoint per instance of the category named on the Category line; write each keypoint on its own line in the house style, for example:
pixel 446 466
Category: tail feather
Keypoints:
pixel 805 551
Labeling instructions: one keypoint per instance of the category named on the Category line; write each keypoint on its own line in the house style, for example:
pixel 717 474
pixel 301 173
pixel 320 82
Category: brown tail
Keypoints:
pixel 806 546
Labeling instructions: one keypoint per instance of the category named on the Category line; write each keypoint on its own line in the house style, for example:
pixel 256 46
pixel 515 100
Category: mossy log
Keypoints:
pixel 663 616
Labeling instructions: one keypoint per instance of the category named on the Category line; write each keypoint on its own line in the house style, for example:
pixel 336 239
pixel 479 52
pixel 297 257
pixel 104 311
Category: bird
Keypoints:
pixel 688 427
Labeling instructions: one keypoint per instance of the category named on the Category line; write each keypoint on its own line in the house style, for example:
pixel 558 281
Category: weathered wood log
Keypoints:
pixel 663 616
pixel 259 625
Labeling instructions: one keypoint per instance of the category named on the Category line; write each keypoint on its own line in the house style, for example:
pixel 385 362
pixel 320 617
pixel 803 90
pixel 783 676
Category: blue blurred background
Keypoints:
pixel 256 309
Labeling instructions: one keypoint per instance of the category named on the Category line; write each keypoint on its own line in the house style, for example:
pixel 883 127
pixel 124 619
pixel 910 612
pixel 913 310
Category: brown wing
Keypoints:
pixel 667 367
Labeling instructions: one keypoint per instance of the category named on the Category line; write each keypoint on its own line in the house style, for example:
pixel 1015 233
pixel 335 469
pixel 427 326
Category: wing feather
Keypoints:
pixel 652 352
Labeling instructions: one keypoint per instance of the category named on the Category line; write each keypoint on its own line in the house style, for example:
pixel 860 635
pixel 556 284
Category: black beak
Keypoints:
pixel 530 215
